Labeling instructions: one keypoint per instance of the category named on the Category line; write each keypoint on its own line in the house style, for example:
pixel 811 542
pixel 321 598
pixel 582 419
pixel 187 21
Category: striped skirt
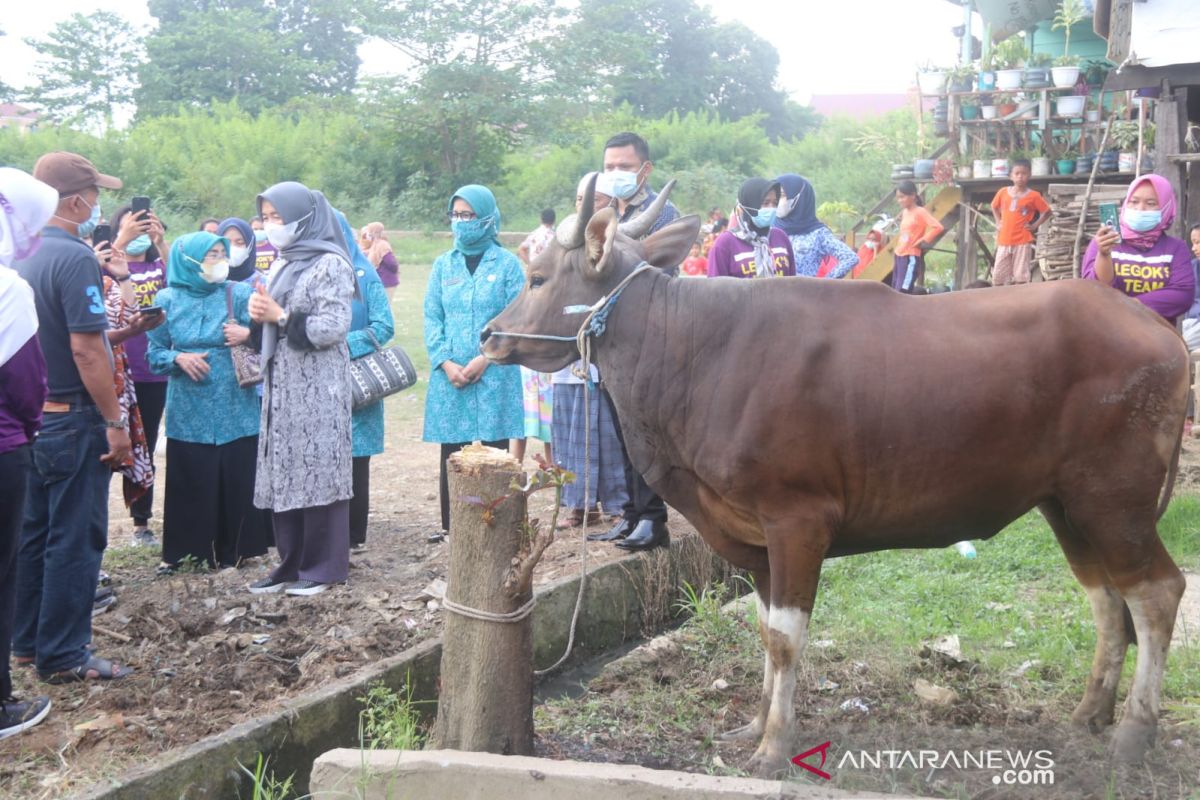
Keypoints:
pixel 606 467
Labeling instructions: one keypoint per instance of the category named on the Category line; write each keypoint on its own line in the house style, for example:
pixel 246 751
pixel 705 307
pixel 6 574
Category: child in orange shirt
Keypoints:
pixel 1019 212
pixel 918 231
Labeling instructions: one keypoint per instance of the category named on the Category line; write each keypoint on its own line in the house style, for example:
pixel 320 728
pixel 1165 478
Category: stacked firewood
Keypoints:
pixel 1056 239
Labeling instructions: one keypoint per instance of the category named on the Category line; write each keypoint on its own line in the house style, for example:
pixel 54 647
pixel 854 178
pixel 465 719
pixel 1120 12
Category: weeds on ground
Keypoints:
pixel 266 785
pixel 389 719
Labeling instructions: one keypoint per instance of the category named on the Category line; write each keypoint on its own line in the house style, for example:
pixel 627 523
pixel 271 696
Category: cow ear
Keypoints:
pixel 667 247
pixel 599 238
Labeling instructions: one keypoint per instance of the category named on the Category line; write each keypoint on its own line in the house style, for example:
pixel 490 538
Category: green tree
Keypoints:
pixel 87 69
pixel 261 55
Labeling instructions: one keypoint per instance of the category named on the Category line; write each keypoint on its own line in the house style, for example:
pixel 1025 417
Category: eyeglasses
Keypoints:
pixel 462 216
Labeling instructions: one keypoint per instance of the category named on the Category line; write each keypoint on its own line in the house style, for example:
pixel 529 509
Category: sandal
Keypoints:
pixel 95 668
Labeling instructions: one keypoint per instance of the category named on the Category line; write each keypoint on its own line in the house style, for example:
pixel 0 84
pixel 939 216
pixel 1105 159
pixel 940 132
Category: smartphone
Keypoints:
pixel 1110 216
pixel 139 204
pixel 151 311
pixel 102 233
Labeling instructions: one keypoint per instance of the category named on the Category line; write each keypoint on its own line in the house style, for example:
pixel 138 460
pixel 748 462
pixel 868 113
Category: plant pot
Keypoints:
pixel 986 80
pixel 1093 115
pixel 923 169
pixel 999 167
pixel 1070 105
pixel 987 112
pixel 981 168
pixel 969 112
pixel 931 82
pixel 1083 164
pixel 1064 77
pixel 941 127
pixel 1004 109
pixel 965 172
pixel 962 84
pixel 1065 166
pixel 1147 162
pixel 1036 77
pixel 1126 162
pixel 1009 79
pixel 1039 166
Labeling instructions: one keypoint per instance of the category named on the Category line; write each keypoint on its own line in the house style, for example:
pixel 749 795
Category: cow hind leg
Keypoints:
pixel 1095 710
pixel 753 730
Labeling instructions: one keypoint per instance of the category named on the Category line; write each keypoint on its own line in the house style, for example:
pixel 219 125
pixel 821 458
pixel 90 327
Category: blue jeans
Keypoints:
pixel 63 538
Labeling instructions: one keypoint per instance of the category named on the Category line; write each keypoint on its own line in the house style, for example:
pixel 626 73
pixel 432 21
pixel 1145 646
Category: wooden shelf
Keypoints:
pixel 977 93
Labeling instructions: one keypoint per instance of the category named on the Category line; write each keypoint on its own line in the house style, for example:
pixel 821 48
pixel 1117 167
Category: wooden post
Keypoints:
pixel 1171 127
pixel 486 699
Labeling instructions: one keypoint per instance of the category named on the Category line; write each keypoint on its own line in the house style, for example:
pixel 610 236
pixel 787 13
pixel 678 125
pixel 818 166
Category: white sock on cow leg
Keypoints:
pixel 1153 605
pixel 1095 710
pixel 755 728
pixel 786 638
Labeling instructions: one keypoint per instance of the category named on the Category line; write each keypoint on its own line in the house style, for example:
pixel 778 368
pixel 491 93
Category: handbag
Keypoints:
pixel 247 363
pixel 376 375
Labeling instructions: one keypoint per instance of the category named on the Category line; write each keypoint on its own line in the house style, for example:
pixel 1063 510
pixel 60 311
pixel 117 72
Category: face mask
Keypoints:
pixel 471 231
pixel 623 184
pixel 138 246
pixel 238 255
pixel 786 205
pixel 88 225
pixel 281 235
pixel 764 218
pixel 260 236
pixel 1142 221
pixel 215 273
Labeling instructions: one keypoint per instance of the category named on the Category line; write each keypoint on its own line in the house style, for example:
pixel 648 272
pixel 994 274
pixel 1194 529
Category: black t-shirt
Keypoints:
pixel 68 293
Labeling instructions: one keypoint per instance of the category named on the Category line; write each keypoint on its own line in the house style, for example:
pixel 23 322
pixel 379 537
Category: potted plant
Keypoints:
pixel 987 71
pixel 1037 71
pixel 1124 137
pixel 969 108
pixel 961 78
pixel 1005 104
pixel 987 107
pixel 931 80
pixel 1065 164
pixel 964 169
pixel 1070 105
pixel 1066 68
pixel 1010 59
pixel 1039 162
pixel 981 166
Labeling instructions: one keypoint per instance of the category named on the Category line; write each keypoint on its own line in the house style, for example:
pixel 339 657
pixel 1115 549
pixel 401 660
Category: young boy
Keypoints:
pixel 1019 212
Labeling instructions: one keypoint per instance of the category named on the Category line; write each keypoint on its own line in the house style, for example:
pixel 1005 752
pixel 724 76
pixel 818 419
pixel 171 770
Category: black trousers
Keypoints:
pixel 643 503
pixel 209 511
pixel 151 399
pixel 444 481
pixel 14 477
pixel 360 503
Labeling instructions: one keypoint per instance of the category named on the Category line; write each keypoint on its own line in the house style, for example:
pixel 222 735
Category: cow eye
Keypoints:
pixel 536 281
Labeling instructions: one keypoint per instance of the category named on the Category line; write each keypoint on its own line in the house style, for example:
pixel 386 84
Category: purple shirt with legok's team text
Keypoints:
pixel 1161 277
pixel 147 278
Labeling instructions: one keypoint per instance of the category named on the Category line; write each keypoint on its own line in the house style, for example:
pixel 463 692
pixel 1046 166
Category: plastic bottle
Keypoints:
pixel 965 549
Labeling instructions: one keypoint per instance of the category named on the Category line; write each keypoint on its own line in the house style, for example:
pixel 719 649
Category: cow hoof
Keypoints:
pixel 751 731
pixel 769 763
pixel 1132 740
pixel 1095 721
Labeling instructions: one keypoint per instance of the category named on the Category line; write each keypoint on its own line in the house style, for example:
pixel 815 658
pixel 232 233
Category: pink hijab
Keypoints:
pixel 1166 203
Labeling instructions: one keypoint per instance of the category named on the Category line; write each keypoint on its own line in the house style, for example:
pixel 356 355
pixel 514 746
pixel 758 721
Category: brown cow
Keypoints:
pixel 791 420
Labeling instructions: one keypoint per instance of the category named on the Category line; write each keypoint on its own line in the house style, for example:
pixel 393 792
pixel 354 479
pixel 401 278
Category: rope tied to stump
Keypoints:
pixel 489 616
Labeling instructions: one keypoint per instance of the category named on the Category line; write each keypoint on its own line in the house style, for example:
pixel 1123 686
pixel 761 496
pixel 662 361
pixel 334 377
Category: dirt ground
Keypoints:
pixel 208 654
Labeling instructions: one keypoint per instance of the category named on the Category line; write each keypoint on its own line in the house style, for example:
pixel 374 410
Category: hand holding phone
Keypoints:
pixel 151 311
pixel 1110 216
pixel 102 233
pixel 139 204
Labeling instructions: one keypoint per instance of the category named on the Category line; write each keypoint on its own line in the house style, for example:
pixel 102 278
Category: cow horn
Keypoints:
pixel 570 232
pixel 637 227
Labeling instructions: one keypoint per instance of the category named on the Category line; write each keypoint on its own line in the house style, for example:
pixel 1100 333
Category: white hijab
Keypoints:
pixel 26 205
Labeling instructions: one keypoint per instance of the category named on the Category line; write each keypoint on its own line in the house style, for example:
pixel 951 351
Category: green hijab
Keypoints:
pixel 472 237
pixel 187 254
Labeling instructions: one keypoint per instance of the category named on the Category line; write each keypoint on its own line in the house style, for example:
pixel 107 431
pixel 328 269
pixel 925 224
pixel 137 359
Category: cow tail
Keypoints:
pixel 1172 473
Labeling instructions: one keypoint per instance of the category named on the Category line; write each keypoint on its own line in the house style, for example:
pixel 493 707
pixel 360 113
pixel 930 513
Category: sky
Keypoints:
pixel 839 47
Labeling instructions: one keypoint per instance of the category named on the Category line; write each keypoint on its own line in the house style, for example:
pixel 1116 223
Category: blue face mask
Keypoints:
pixel 260 236
pixel 1142 221
pixel 139 245
pixel 88 225
pixel 468 233
pixel 765 217
pixel 623 184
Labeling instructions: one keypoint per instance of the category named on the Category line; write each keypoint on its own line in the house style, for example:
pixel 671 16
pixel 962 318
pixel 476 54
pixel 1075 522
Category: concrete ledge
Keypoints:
pixel 623 599
pixel 378 774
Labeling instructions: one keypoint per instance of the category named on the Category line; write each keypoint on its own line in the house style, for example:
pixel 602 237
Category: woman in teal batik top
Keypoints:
pixel 469 399
pixel 212 423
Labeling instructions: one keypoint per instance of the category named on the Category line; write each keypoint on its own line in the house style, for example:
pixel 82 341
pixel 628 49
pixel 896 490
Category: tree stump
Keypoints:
pixel 486 698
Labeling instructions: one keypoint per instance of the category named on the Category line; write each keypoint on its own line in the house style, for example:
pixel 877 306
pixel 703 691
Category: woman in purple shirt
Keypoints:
pixel 26 205
pixel 1141 260
pixel 752 248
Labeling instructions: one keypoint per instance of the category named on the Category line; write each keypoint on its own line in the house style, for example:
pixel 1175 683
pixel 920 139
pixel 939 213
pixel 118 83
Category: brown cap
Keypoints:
pixel 70 173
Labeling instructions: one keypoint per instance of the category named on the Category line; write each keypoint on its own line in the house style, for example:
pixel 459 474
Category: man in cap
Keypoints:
pixel 84 435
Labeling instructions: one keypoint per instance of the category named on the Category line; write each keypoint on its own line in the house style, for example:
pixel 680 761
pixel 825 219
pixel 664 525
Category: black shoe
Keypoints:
pixel 437 536
pixel 647 536
pixel 619 531
pixel 18 715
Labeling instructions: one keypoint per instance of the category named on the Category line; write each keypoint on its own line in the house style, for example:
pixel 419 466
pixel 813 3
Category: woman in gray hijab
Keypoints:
pixel 304 457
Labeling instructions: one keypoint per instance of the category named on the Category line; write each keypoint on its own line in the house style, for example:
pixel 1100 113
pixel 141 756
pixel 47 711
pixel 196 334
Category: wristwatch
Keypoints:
pixel 121 423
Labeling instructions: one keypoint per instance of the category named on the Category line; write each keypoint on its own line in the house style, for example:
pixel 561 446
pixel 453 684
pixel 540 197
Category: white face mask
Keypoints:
pixel 215 273
pixel 238 255
pixel 281 235
pixel 785 206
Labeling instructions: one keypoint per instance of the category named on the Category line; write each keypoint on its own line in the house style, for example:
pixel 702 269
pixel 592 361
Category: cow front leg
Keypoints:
pixel 755 728
pixel 1152 604
pixel 787 633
